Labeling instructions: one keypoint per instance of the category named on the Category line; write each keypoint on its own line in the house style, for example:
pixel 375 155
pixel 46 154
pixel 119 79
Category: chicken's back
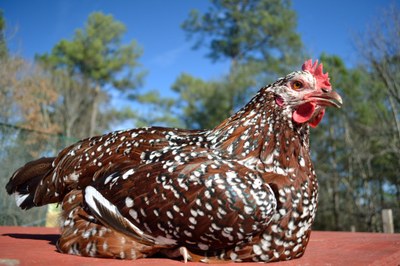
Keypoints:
pixel 48 180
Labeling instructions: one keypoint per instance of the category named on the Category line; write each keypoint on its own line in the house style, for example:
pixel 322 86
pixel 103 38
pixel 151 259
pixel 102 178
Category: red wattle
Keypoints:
pixel 317 119
pixel 304 112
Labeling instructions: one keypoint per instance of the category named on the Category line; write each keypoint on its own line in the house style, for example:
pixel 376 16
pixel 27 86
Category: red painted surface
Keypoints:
pixel 36 246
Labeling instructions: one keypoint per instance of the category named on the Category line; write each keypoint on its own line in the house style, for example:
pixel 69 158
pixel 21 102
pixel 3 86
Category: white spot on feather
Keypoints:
pixel 269 159
pixel 20 198
pixel 74 176
pixel 133 213
pixel 302 162
pixel 202 246
pixel 257 250
pixel 128 202
pixel 128 173
pixel 160 240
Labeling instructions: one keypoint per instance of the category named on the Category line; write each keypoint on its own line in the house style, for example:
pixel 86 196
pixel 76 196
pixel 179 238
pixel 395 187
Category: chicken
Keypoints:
pixel 243 191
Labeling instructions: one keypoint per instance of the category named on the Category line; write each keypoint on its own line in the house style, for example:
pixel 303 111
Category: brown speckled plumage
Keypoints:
pixel 243 191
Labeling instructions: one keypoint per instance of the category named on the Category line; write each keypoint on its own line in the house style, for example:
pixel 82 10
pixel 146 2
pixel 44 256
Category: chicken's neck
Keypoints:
pixel 262 136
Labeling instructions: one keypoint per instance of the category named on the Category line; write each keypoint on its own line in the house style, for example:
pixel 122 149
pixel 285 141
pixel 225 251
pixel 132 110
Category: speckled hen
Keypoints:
pixel 243 191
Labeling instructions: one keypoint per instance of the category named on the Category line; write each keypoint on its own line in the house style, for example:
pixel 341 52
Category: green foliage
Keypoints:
pixel 258 37
pixel 97 54
pixel 245 30
pixel 351 154
pixel 3 44
pixel 205 104
pixel 155 110
pixel 94 63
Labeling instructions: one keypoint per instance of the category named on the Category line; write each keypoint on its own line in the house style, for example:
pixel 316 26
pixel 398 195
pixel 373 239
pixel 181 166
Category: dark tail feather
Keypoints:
pixel 24 182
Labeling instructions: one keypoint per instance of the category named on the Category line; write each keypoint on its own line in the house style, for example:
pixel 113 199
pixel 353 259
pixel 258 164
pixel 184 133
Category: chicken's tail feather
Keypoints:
pixel 25 181
pixel 83 234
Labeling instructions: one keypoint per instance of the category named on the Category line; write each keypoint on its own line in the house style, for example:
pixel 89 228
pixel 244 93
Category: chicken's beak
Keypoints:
pixel 328 98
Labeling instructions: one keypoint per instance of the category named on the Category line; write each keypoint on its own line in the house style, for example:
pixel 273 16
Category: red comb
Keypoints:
pixel 316 71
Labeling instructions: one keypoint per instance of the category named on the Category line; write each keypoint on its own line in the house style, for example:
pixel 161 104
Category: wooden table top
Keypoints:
pixel 36 246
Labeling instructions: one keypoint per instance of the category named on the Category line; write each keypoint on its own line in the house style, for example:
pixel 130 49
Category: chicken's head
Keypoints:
pixel 306 93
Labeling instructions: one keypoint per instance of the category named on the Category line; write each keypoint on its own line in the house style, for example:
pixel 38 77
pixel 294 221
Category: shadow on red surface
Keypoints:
pixel 51 238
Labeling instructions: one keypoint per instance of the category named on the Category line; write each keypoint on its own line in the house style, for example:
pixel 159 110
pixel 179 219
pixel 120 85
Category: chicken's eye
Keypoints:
pixel 297 85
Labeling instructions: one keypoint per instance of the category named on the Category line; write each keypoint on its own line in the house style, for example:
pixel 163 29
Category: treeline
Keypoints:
pixel 356 150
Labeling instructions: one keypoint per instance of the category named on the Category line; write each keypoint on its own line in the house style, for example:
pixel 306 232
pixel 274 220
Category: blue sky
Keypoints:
pixel 36 26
